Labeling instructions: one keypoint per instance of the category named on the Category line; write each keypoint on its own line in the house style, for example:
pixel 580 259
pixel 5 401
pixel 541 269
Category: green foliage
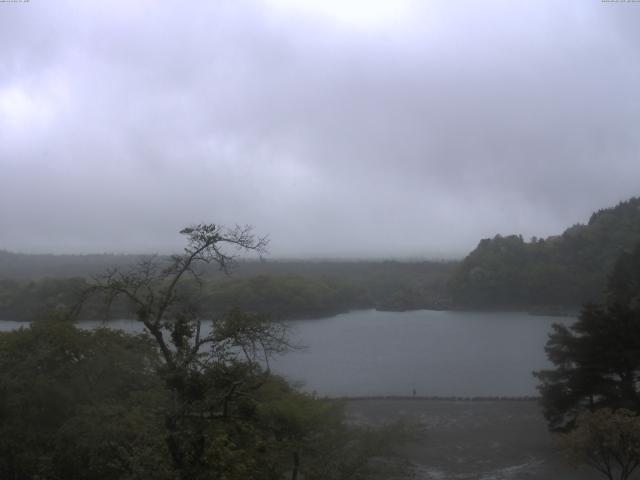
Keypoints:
pixel 606 440
pixel 284 289
pixel 285 296
pixel 561 271
pixel 597 359
pixel 27 300
pixel 179 401
pixel 227 417
pixel 318 441
pixel 78 404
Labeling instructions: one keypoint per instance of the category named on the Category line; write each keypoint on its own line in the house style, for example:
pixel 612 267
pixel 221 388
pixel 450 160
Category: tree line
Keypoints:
pixel 563 271
pixel 554 274
pixel 285 289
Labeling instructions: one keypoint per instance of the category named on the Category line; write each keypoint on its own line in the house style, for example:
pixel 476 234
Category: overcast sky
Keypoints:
pixel 340 128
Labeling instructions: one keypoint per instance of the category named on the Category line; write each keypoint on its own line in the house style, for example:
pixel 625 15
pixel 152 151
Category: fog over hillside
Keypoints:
pixel 341 129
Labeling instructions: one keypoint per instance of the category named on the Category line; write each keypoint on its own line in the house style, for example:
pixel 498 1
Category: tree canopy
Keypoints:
pixel 188 399
pixel 597 359
pixel 606 440
pixel 80 404
pixel 567 270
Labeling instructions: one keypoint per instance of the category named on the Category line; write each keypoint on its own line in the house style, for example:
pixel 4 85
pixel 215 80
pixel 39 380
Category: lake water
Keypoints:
pixel 437 353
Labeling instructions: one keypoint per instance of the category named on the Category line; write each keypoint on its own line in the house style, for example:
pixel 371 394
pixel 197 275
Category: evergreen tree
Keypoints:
pixel 597 359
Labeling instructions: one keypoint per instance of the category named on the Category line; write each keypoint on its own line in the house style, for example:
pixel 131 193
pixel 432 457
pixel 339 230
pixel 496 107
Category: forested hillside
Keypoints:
pixel 30 286
pixel 561 271
pixel 506 272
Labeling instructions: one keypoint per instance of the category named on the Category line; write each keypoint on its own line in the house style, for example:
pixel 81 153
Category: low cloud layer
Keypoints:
pixel 341 129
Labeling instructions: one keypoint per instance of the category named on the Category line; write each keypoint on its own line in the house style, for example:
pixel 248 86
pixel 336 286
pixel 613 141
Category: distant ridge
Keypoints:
pixel 562 271
pixel 23 265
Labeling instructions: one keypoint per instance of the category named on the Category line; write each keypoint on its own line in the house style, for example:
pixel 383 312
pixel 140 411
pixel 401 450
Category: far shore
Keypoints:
pixel 317 315
pixel 525 398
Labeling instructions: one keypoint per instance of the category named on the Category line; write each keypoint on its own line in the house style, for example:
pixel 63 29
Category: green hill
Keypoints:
pixel 562 271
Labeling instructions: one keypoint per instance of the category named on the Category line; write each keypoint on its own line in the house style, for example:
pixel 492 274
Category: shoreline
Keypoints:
pixel 438 398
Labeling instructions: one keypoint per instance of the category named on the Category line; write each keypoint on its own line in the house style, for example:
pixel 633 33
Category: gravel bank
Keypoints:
pixel 469 440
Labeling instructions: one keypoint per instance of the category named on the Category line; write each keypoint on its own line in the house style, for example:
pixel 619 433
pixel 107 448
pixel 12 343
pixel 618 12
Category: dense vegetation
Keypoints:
pixel 564 271
pixel 597 359
pixel 592 394
pixel 180 401
pixel 286 289
pixel 77 404
pixel 606 440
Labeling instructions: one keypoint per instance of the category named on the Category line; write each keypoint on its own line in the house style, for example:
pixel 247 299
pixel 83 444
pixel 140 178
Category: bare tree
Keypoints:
pixel 206 369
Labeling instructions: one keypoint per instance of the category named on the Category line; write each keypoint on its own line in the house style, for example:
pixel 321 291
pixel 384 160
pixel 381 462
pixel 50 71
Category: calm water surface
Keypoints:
pixel 389 353
pixel 434 352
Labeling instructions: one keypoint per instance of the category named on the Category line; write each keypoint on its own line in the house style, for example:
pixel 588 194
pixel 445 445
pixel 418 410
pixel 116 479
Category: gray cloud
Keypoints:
pixel 121 122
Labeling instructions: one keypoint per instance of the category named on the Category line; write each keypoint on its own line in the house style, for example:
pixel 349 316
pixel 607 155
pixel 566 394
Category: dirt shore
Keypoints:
pixel 469 440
